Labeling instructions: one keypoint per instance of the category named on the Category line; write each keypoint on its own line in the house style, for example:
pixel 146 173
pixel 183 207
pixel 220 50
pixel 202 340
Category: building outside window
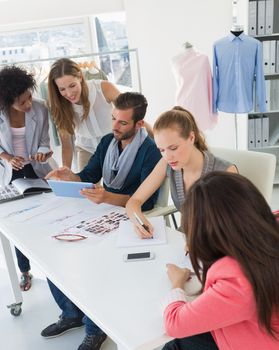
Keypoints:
pixel 111 36
pixel 41 43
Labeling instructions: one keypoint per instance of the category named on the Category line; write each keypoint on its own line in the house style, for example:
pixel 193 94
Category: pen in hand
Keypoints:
pixel 140 222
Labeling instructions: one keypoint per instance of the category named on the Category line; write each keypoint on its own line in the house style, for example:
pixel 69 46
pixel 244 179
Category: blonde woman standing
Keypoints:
pixel 80 109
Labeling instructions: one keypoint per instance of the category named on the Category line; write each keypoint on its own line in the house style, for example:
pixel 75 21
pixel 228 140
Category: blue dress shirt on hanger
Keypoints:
pixel 237 63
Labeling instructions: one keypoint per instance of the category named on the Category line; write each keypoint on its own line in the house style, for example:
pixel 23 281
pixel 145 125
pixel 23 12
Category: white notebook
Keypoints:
pixel 127 237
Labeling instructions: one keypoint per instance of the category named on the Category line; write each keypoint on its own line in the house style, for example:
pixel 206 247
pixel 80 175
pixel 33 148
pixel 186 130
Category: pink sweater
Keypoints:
pixel 226 308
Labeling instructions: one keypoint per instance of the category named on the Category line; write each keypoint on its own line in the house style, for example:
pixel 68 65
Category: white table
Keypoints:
pixel 122 298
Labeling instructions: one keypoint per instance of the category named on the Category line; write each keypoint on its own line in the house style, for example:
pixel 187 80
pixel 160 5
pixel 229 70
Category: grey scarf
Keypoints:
pixel 122 163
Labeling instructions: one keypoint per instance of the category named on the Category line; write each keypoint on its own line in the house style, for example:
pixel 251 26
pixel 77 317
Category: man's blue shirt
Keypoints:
pixel 147 157
pixel 237 63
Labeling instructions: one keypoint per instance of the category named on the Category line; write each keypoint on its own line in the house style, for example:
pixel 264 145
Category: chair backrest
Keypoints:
pixel 163 196
pixel 258 167
pixel 161 208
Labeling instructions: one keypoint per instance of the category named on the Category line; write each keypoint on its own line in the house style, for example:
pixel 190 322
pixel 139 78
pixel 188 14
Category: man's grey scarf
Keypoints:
pixel 122 163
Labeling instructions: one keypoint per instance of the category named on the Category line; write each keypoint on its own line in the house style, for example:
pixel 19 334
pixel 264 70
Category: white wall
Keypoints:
pixel 18 11
pixel 158 28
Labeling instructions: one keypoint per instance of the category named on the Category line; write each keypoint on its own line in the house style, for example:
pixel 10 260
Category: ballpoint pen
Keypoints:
pixel 140 222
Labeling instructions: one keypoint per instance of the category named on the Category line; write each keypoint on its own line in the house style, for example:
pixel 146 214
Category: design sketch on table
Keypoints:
pixel 66 217
pixel 35 211
pixel 96 226
pixel 18 212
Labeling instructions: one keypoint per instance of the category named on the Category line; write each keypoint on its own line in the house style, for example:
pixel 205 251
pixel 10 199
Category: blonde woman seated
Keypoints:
pixel 185 158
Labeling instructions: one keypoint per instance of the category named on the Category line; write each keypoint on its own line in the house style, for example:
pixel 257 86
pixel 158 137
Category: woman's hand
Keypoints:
pixel 177 276
pixel 41 157
pixel 146 230
pixel 16 162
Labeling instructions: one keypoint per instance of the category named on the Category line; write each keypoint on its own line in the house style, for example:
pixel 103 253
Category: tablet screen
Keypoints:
pixel 68 188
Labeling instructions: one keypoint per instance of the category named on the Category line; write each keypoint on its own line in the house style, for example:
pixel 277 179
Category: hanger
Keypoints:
pixel 237 29
pixel 187 45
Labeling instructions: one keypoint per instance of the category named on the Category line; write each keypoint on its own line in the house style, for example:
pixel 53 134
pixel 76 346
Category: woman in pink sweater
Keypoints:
pixel 233 242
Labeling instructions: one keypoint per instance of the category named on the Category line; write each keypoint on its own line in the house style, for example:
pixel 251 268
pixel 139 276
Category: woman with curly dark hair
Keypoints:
pixel 24 138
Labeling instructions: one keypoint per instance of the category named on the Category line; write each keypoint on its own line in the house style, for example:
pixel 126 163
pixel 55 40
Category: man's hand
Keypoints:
pixel 16 162
pixel 63 173
pixel 97 194
pixel 41 157
pixel 177 276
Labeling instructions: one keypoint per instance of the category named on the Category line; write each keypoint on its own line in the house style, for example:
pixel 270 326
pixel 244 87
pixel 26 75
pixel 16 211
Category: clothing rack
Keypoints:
pixel 135 69
pixel 235 27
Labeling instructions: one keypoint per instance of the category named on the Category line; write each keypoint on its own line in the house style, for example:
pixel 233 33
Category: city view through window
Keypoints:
pixel 111 36
pixel 48 42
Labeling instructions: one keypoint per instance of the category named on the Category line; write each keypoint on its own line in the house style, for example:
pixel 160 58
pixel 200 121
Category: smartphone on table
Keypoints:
pixel 139 256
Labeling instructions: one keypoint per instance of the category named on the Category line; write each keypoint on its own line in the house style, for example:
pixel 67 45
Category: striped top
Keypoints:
pixel 178 194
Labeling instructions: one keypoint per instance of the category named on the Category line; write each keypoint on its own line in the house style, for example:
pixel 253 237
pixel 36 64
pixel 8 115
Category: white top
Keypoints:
pixel 19 143
pixel 89 132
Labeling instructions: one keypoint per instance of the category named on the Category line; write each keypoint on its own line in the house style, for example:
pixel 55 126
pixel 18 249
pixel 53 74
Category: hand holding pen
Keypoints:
pixel 145 230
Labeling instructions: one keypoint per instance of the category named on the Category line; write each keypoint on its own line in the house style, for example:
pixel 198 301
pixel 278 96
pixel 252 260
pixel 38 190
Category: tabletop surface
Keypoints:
pixel 122 298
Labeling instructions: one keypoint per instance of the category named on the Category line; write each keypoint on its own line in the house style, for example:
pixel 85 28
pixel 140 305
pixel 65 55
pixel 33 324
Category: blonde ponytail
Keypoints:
pixel 182 120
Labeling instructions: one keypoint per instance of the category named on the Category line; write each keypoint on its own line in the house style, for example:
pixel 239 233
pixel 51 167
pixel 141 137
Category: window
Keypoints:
pixel 111 36
pixel 56 41
pixel 80 37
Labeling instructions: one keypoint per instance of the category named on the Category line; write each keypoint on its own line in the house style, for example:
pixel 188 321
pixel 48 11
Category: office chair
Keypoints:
pixel 161 207
pixel 258 167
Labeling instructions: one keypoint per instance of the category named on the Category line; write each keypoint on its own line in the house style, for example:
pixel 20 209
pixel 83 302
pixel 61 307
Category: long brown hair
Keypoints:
pixel 61 109
pixel 225 215
pixel 182 120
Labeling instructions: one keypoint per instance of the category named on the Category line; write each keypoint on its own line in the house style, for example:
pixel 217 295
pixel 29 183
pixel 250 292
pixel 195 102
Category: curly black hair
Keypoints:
pixel 14 81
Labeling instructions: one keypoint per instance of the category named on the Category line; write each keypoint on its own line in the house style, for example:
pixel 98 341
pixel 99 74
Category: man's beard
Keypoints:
pixel 125 136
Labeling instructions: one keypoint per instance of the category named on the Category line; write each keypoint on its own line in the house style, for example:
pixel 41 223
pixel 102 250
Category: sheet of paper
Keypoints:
pixel 127 237
pixel 91 226
pixel 33 208
pixel 184 261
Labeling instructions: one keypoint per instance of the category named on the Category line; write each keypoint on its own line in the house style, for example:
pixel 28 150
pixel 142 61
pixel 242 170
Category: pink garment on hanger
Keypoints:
pixel 194 87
